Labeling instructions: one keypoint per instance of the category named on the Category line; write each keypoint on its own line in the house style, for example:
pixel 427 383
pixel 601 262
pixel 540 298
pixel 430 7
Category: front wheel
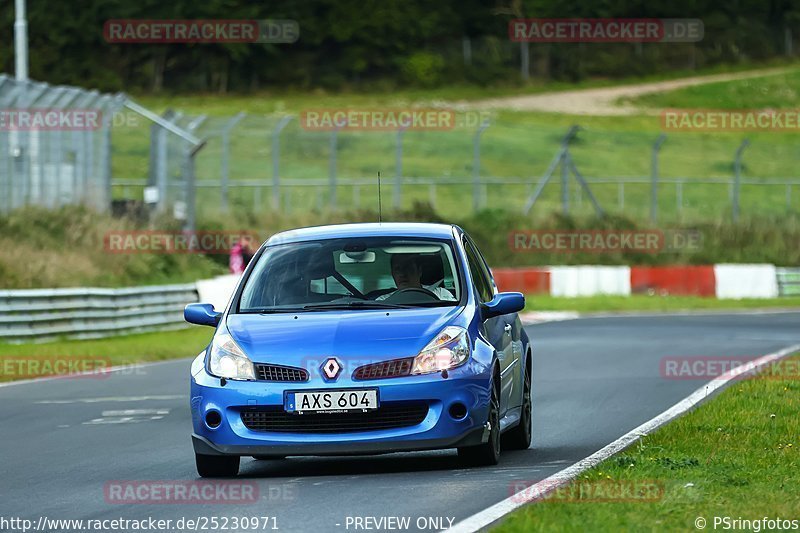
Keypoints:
pixel 217 465
pixel 489 453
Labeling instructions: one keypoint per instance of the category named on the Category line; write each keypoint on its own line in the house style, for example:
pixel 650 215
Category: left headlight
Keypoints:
pixel 227 360
pixel 449 349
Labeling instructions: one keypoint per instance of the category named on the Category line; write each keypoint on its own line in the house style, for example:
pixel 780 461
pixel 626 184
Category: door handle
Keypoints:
pixel 507 329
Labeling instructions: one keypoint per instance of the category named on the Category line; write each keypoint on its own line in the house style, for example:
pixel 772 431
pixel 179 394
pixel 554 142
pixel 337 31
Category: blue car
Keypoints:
pixel 362 339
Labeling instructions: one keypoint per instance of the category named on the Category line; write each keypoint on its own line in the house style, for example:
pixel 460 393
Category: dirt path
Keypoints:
pixel 602 101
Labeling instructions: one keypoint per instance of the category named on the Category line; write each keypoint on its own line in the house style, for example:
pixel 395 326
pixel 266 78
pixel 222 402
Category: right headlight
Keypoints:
pixel 227 360
pixel 449 349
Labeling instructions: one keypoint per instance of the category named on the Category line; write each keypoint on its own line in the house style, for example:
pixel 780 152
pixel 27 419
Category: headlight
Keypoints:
pixel 449 349
pixel 227 360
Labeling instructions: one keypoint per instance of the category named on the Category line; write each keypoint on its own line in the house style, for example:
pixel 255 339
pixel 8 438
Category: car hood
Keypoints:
pixel 361 336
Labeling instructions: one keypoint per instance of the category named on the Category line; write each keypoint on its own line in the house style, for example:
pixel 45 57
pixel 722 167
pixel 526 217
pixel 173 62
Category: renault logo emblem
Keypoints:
pixel 331 368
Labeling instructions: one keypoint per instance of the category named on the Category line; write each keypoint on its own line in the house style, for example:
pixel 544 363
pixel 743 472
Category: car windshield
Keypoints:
pixel 352 273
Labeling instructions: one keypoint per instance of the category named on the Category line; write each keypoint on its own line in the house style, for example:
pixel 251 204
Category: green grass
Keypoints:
pixel 638 302
pixel 517 145
pixel 273 101
pixel 64 247
pixel 126 349
pixel 735 456
pixel 774 92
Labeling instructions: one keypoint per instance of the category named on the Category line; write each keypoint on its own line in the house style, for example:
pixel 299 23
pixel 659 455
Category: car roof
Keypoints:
pixel 367 229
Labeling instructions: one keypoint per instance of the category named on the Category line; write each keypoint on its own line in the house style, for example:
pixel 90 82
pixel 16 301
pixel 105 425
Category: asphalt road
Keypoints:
pixel 595 379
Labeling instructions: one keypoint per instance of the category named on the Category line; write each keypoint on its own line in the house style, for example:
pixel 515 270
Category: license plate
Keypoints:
pixel 339 401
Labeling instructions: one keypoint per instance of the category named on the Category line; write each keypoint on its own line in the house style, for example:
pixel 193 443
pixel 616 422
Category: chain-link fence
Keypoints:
pixel 54 145
pixel 65 145
pixel 257 163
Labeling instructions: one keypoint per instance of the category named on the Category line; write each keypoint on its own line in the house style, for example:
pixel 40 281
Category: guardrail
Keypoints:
pixel 86 313
pixel 788 281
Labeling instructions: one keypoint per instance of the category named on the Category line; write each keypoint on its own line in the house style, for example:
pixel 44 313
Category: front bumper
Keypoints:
pixel 467 385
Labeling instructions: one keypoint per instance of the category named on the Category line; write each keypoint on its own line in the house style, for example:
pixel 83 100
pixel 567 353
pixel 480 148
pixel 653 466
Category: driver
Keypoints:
pixel 407 273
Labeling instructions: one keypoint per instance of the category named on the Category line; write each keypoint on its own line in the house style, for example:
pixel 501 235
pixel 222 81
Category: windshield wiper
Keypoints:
pixel 371 304
pixel 270 310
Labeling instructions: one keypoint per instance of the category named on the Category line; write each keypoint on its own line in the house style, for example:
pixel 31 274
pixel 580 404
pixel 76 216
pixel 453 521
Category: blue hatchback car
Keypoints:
pixel 362 339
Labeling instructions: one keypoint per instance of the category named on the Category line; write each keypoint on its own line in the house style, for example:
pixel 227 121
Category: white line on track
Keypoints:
pixel 114 399
pixel 541 489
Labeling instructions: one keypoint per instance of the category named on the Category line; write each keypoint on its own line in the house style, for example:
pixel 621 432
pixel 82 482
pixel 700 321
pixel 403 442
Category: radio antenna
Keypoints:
pixel 380 218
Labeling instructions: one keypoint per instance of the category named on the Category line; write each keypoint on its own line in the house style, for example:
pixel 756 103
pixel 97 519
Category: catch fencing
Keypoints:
pixel 257 163
pixel 58 145
pixel 55 145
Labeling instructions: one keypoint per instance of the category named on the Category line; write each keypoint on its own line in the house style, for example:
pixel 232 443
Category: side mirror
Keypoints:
pixel 201 314
pixel 503 303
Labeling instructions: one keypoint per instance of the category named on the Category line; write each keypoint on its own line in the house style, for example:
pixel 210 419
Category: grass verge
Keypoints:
pixel 18 359
pixel 639 302
pixel 736 457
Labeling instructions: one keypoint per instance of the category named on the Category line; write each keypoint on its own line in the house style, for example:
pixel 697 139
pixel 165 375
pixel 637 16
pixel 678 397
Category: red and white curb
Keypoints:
pixel 720 281
pixel 541 489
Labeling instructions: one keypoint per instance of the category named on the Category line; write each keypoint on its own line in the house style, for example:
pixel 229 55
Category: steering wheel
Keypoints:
pixel 408 290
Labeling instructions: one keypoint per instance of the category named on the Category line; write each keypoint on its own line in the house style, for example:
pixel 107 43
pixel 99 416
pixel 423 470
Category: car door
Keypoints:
pixel 497 330
pixel 512 343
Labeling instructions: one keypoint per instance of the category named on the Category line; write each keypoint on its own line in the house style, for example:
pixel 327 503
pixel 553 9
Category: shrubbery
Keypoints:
pixel 64 247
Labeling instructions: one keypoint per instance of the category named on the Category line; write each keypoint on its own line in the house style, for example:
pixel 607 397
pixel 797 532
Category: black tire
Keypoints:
pixel 486 454
pixel 269 457
pixel 217 465
pixel 519 437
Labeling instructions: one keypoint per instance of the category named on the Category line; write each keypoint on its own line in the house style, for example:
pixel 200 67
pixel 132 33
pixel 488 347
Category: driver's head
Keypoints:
pixel 406 271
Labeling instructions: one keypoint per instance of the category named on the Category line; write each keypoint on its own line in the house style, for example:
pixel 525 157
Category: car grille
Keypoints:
pixel 390 415
pixel 386 369
pixel 267 372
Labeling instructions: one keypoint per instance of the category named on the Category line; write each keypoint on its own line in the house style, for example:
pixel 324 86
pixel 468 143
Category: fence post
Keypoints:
pixel 654 178
pixel 106 167
pixel 226 146
pixel 189 178
pixel 334 143
pixel 564 186
pixel 476 166
pixel 158 160
pixel 276 161
pixel 398 170
pixel 524 61
pixel 737 168
pixel 561 158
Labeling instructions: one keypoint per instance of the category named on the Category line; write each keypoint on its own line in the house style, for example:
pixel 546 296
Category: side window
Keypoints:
pixel 478 273
pixel 485 268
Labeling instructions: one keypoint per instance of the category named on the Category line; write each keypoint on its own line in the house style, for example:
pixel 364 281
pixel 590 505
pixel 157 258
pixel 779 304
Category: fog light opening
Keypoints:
pixel 213 419
pixel 458 411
